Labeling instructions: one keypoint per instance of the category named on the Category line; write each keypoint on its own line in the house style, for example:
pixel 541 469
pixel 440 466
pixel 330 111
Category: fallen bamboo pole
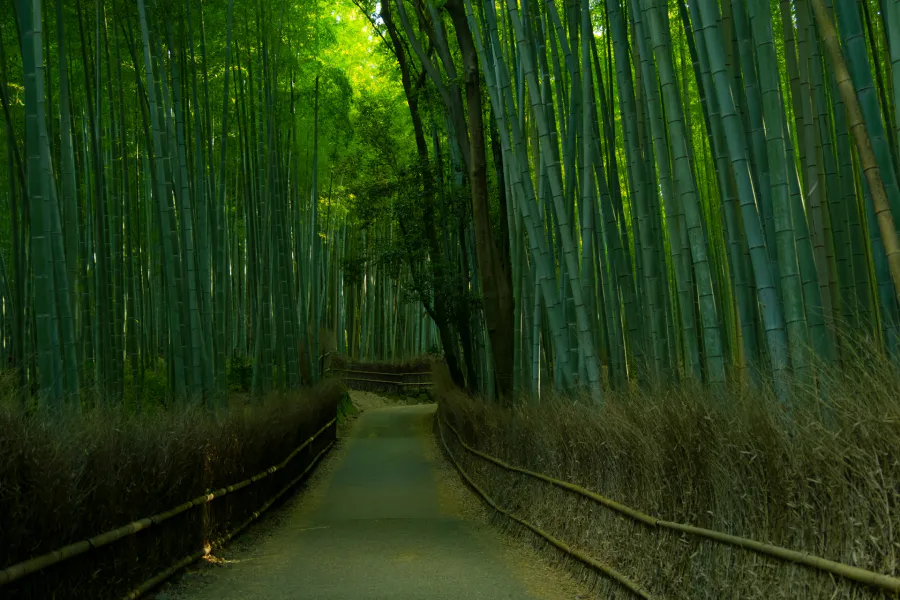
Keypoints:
pixel 884 582
pixel 17 571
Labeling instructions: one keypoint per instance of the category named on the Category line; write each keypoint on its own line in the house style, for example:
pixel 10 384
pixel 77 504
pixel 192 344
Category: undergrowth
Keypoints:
pixel 67 477
pixel 819 474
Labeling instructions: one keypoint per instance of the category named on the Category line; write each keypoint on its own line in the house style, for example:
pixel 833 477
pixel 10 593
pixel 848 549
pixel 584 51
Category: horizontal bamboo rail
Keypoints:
pixel 580 556
pixel 884 582
pixel 17 571
pixel 387 377
pixel 410 383
pixel 381 372
pixel 160 577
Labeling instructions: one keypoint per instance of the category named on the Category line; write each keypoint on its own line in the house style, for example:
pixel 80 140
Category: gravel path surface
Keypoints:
pixel 383 518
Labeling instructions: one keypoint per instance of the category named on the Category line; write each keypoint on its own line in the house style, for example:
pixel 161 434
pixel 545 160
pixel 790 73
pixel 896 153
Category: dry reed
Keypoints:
pixel 820 475
pixel 64 478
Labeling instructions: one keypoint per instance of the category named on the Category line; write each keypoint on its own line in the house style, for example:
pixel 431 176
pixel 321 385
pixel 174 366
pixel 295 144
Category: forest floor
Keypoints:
pixel 384 517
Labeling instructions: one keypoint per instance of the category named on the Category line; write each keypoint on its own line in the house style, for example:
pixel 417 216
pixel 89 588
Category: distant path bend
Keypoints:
pixel 381 525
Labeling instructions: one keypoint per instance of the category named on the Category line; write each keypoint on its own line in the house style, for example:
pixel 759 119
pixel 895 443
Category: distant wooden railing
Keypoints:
pixel 362 377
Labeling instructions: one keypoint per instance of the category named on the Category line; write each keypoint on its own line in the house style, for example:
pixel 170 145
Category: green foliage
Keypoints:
pixel 240 374
pixel 633 168
pixel 149 393
pixel 346 410
pixel 169 237
pixel 154 389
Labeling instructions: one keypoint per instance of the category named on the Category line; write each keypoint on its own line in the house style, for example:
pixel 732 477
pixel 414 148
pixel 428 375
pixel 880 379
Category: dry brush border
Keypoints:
pixel 820 478
pixel 64 479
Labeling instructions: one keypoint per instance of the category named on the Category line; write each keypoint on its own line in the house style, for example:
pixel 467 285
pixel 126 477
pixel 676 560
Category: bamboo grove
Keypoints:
pixel 568 194
pixel 695 189
pixel 161 206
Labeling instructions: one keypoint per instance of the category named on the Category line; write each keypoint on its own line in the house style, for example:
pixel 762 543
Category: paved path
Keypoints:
pixel 380 526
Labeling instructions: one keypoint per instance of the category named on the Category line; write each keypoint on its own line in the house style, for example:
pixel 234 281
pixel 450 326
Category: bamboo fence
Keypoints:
pixel 33 565
pixel 884 582
pixel 401 383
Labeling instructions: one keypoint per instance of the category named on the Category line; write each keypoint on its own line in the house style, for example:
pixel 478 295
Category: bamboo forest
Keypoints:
pixel 605 237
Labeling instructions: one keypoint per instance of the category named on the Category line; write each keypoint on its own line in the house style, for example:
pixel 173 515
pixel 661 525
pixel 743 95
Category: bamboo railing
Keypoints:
pixel 884 582
pixel 33 565
pixel 623 580
pixel 384 381
pixel 159 578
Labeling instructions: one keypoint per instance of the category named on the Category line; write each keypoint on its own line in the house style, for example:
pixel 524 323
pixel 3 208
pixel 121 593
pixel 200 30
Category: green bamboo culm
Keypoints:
pixel 201 199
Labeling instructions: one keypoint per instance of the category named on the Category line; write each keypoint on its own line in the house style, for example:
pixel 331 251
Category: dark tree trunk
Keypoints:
pixel 496 284
pixel 497 153
pixel 440 314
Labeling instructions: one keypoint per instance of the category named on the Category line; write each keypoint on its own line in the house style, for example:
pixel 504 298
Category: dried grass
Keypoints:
pixel 817 476
pixel 67 477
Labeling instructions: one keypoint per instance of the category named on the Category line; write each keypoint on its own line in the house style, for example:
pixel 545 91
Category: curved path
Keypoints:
pixel 380 523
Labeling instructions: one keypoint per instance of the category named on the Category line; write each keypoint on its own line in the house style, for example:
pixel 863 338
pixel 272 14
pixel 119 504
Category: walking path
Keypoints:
pixel 384 520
